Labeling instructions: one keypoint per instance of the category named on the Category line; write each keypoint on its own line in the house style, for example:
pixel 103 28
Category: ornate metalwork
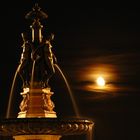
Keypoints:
pixel 45 126
pixel 48 103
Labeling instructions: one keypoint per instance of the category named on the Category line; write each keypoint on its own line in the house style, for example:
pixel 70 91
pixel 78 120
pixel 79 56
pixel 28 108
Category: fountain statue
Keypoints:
pixel 37 119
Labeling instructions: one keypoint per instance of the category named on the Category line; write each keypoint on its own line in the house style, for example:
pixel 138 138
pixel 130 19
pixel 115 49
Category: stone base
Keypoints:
pixel 37 137
pixel 37 103
pixel 46 114
pixel 22 114
pixel 49 114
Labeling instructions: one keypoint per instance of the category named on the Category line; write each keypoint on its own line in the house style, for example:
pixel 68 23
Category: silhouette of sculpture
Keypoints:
pixel 42 56
pixel 37 59
pixel 25 60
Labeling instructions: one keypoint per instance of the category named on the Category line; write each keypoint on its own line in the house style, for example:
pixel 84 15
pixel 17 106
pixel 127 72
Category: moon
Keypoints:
pixel 100 81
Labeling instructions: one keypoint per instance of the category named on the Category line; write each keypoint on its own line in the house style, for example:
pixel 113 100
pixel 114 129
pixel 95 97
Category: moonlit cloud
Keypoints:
pixel 118 69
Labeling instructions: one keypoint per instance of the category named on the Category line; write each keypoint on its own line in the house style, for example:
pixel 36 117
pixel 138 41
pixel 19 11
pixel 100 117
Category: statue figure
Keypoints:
pixel 25 60
pixel 37 59
pixel 44 60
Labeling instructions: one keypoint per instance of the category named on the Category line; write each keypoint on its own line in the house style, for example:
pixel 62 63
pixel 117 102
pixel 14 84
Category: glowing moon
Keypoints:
pixel 100 81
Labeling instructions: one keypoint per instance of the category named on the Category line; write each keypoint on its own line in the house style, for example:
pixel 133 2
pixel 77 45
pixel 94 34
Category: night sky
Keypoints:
pixel 90 39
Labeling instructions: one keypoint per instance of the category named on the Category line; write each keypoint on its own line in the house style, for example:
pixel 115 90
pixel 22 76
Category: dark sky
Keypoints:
pixel 90 39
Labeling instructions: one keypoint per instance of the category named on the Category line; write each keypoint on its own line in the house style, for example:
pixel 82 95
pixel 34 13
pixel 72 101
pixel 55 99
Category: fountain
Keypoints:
pixel 37 119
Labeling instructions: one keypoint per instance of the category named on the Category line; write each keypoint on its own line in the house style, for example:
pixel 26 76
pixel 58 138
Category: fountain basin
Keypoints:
pixel 44 126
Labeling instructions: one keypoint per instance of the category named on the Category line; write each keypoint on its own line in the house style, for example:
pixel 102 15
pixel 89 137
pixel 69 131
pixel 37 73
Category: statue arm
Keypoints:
pixel 54 58
pixel 25 56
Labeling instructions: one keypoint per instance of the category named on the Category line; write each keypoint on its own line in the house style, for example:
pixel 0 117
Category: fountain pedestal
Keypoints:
pixel 37 137
pixel 37 103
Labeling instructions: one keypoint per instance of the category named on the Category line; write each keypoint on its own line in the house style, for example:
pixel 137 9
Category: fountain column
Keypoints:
pixel 37 103
pixel 36 94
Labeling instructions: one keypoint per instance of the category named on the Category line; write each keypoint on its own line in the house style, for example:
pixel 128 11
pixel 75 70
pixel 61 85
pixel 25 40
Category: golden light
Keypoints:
pixel 101 76
pixel 100 81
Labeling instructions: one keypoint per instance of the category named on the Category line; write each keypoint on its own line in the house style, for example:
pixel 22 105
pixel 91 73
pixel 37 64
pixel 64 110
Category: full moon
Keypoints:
pixel 100 81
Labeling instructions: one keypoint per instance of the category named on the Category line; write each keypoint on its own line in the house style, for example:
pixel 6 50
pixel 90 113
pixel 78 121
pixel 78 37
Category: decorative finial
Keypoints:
pixel 36 7
pixel 36 13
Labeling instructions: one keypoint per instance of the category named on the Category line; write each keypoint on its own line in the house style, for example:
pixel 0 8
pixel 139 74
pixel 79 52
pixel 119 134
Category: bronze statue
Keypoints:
pixel 44 60
pixel 37 59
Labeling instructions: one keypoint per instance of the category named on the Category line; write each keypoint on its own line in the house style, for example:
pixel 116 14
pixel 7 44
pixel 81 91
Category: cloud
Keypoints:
pixel 121 72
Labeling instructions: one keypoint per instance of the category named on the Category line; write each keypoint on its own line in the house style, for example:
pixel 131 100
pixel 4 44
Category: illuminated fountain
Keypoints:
pixel 37 119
